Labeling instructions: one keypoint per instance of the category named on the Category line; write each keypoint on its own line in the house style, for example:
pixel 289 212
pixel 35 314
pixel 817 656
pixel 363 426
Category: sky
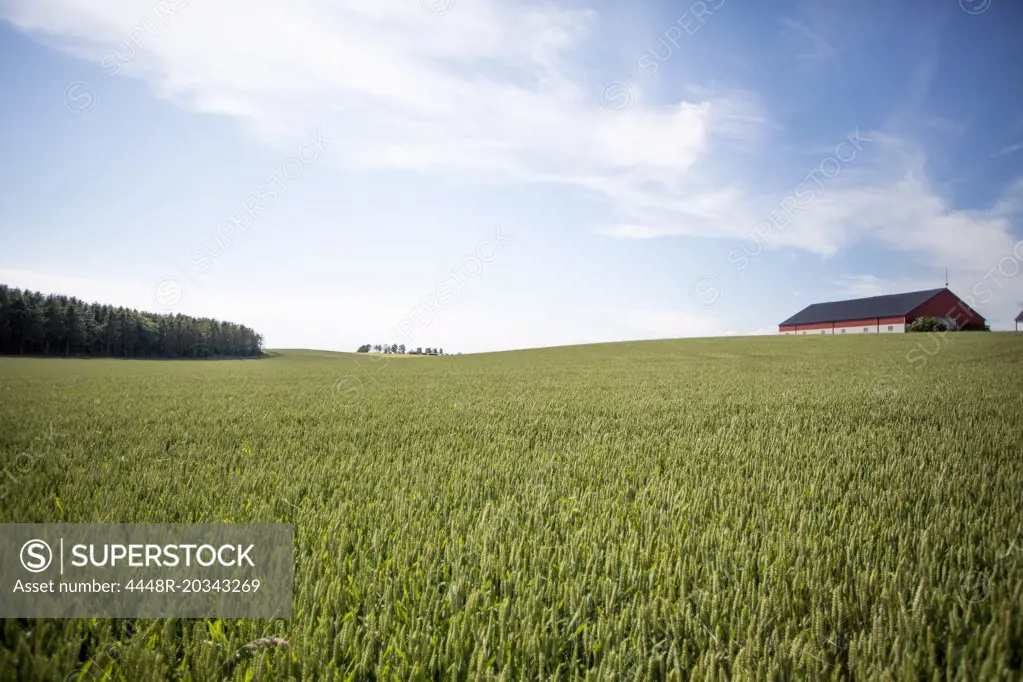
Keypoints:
pixel 481 175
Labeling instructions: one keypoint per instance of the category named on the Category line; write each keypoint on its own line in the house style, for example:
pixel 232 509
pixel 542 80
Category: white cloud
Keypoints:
pixel 892 201
pixel 489 87
pixel 497 89
pixel 882 195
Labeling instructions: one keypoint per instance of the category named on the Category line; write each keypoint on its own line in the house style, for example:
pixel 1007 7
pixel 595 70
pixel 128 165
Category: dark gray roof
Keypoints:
pixel 1019 318
pixel 891 305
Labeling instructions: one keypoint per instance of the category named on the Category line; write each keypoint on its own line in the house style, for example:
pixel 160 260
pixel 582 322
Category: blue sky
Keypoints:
pixel 481 175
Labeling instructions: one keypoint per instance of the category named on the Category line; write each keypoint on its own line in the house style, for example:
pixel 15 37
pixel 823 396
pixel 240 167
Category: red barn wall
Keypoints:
pixel 947 304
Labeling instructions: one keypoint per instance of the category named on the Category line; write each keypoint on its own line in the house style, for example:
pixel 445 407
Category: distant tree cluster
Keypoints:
pixel 397 349
pixel 34 323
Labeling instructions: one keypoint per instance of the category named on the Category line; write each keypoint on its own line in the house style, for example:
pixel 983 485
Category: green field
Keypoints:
pixel 770 508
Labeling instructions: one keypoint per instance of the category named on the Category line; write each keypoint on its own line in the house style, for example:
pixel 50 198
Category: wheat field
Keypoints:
pixel 745 508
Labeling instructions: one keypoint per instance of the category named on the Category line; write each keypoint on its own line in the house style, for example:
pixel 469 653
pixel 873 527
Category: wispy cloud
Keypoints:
pixel 491 89
pixel 1010 149
pixel 820 49
pixel 863 285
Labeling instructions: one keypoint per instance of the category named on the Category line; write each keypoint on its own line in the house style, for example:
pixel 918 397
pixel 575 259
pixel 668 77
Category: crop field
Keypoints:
pixel 744 508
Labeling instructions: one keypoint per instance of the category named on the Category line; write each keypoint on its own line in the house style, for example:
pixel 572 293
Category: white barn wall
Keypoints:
pixel 858 329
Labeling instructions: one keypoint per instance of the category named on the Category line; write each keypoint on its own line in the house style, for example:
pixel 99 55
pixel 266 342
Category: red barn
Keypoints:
pixel 890 314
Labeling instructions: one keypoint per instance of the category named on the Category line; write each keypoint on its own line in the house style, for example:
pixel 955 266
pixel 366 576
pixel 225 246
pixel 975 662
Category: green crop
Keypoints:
pixel 748 508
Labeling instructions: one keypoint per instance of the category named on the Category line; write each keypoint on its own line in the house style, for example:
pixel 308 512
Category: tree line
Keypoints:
pixel 397 349
pixel 36 323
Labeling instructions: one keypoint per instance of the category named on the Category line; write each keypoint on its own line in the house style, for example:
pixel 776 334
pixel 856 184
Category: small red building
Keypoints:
pixel 890 314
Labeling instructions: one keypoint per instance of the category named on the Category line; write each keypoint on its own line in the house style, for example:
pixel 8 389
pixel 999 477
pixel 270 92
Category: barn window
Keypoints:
pixel 843 331
pixel 823 332
pixel 891 328
pixel 866 329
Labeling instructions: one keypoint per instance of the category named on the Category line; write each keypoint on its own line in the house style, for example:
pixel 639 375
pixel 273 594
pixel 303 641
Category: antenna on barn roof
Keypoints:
pixel 946 277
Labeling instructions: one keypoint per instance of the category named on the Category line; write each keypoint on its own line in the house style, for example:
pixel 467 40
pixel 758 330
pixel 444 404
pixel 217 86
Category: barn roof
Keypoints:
pixel 890 305
pixel 1019 318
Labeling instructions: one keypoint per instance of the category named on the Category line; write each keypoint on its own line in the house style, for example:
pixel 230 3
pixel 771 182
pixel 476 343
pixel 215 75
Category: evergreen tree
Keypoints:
pixel 93 331
pixel 75 334
pixel 19 311
pixel 55 324
pixel 33 323
pixel 35 328
pixel 5 320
